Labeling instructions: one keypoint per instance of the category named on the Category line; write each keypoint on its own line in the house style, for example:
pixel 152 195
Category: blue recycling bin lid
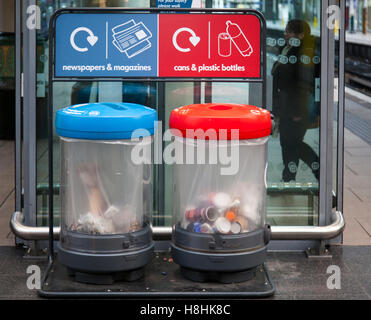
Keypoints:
pixel 105 121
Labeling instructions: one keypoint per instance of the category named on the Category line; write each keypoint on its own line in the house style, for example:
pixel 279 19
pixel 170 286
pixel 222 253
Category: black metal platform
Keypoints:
pixel 162 279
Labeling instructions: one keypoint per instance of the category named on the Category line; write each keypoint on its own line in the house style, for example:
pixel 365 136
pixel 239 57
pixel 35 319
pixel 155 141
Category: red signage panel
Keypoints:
pixel 209 45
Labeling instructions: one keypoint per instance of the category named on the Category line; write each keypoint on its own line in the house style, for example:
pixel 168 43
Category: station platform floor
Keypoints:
pixel 295 276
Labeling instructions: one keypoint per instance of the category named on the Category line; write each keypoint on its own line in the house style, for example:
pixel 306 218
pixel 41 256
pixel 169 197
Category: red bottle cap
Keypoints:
pixel 252 122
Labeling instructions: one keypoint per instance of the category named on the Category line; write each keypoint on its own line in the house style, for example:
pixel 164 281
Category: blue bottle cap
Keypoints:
pixel 106 121
pixel 197 227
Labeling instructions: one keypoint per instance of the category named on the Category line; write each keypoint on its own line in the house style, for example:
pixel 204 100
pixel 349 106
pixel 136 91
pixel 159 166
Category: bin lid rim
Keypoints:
pixel 105 121
pixel 251 122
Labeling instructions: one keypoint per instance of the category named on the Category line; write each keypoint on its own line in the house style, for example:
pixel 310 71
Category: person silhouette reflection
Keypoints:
pixel 293 98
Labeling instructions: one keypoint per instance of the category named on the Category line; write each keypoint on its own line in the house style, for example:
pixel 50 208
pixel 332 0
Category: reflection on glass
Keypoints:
pixel 7 84
pixel 293 91
pixel 294 104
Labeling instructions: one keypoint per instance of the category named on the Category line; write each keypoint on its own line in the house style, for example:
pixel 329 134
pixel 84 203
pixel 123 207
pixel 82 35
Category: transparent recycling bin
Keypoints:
pixel 106 190
pixel 219 212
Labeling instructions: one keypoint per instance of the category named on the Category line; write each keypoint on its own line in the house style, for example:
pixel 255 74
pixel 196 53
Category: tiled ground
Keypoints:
pixel 6 191
pixel 357 180
pixel 13 274
pixel 294 276
pixel 297 277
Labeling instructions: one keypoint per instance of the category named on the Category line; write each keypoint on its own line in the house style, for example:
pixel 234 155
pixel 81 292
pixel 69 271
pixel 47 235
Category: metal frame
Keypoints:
pixel 327 114
pixel 276 245
pixel 24 225
pixel 161 96
pixel 325 133
pixel 334 188
pixel 161 81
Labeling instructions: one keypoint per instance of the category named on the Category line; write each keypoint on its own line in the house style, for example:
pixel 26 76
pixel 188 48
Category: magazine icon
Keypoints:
pixel 131 38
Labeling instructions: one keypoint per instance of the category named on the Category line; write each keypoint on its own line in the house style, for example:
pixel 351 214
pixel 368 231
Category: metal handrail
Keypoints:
pixel 30 233
pixel 310 232
pixel 273 188
pixel 164 233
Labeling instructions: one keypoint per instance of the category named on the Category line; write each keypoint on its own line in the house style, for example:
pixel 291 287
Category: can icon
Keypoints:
pixel 224 45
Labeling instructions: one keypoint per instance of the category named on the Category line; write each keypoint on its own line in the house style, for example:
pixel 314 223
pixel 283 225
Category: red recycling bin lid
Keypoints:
pixel 252 122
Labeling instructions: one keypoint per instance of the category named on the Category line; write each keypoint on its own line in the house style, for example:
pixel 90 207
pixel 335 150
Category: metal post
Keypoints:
pixel 161 167
pixel 326 129
pixel 197 93
pixel 208 85
pixel 340 154
pixel 18 106
pixel 330 121
pixel 50 142
pixel 208 92
pixel 29 117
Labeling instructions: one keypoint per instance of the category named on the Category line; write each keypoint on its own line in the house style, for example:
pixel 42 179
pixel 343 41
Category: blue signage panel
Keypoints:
pixel 106 45
pixel 169 4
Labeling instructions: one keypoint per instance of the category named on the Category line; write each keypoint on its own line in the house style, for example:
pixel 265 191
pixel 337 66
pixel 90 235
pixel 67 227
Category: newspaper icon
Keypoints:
pixel 131 38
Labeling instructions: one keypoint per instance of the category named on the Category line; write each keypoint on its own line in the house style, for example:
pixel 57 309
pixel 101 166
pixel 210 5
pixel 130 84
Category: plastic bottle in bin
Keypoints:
pixel 239 39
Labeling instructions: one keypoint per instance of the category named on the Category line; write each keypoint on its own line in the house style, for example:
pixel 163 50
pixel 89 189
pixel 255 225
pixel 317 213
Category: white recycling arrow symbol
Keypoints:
pixel 92 39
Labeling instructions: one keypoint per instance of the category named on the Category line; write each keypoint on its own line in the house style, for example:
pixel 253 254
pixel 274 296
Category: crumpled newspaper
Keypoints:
pixel 113 221
pixel 92 224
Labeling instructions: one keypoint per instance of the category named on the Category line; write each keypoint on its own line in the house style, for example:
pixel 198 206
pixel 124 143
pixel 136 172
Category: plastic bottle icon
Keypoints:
pixel 239 39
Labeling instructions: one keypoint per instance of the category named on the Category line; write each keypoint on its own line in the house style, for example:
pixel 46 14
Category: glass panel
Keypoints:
pixel 69 93
pixel 293 190
pixel 7 83
pixel 7 69
pixel 293 95
pixel 177 95
pixel 7 98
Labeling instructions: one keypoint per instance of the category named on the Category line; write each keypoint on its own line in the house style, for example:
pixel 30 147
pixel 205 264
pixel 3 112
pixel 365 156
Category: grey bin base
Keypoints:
pixel 220 277
pixel 221 267
pixel 106 268
pixel 106 279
